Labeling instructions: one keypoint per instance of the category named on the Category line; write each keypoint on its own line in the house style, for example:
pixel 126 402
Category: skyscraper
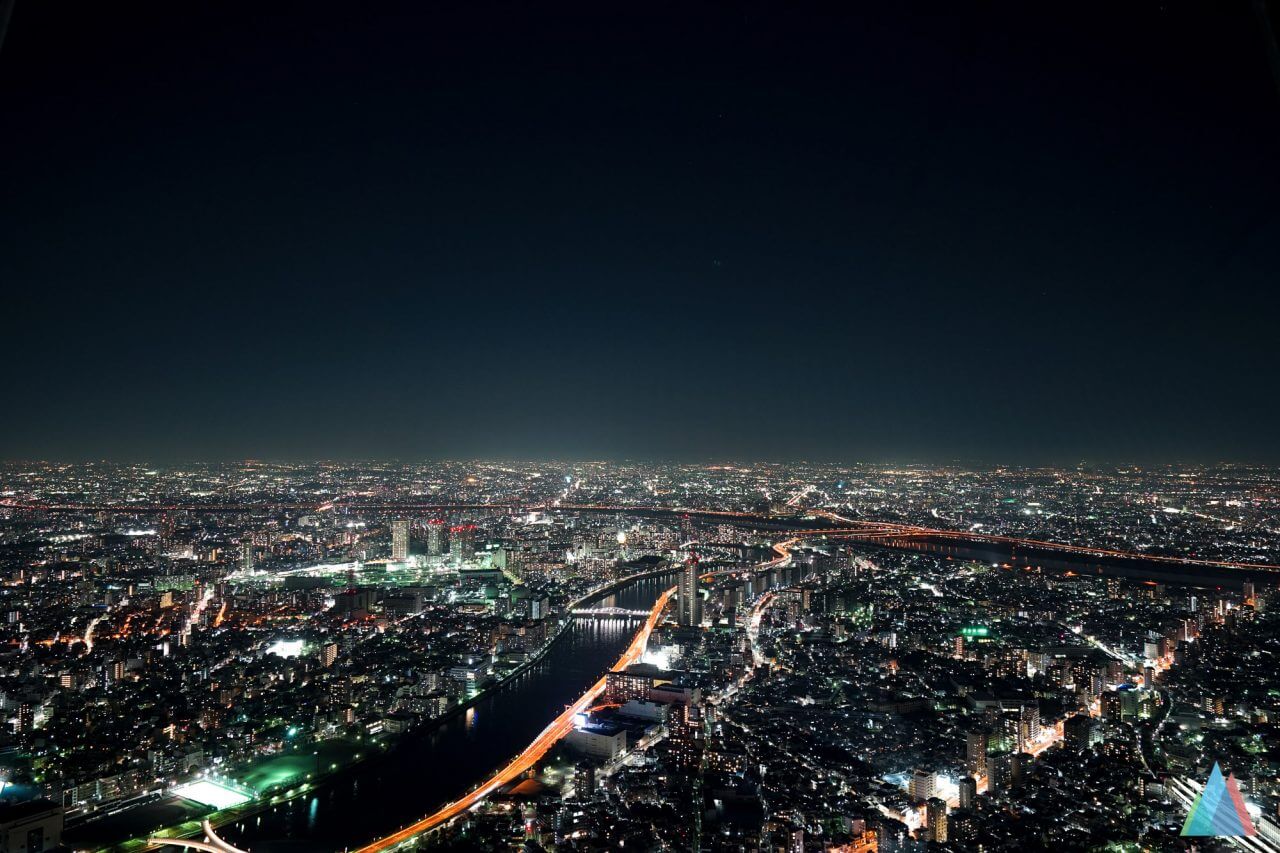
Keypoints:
pixel 437 540
pixel 27 714
pixel 1079 733
pixel 1029 723
pixel 684 726
pixel 936 820
pixel 921 785
pixel 246 556
pixel 968 787
pixel 976 753
pixel 584 780
pixel 689 605
pixel 462 542
pixel 400 539
pixel 1000 772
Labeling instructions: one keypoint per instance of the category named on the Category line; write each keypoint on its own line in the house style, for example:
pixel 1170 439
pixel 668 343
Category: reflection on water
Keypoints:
pixel 434 767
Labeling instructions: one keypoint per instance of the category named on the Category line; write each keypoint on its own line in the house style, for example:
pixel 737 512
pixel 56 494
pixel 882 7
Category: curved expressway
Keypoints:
pixel 213 845
pixel 558 728
pixel 534 752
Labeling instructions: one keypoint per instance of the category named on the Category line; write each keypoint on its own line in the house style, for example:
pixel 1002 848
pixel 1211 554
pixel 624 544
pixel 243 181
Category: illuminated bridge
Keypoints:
pixel 610 612
pixel 534 752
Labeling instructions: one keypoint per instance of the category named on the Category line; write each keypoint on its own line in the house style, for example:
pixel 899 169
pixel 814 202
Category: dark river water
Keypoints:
pixel 436 766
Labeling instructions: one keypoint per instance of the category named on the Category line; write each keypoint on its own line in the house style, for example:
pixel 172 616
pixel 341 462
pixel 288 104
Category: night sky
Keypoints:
pixel 997 232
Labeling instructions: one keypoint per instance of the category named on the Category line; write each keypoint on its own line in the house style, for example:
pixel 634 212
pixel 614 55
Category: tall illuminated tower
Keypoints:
pixel 462 542
pixel 437 537
pixel 400 539
pixel 688 605
pixel 936 820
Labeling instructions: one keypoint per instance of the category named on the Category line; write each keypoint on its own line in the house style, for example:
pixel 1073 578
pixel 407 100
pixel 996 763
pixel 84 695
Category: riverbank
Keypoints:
pixel 534 752
pixel 532 684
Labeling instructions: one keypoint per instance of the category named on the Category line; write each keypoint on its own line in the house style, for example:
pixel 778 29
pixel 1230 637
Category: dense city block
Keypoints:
pixel 206 643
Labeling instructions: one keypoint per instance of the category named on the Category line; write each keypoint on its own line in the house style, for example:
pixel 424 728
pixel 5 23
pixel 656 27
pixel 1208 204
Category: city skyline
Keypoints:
pixel 682 427
pixel 593 656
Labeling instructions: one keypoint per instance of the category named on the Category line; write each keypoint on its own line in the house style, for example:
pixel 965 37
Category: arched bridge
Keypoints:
pixel 610 612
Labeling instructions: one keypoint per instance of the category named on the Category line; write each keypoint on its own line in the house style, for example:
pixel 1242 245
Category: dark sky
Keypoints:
pixel 904 231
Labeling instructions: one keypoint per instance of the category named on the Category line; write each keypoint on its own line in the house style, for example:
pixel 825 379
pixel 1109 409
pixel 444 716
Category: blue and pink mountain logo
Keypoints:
pixel 1219 810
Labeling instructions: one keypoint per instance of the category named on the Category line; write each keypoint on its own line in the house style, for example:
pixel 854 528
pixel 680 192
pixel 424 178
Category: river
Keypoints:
pixel 436 766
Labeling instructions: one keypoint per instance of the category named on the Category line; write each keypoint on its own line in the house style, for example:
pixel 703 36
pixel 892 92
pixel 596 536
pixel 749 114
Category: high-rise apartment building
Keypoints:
pixel 968 787
pixel 437 537
pixel 462 542
pixel 921 786
pixel 936 820
pixel 688 604
pixel 684 725
pixel 975 758
pixel 400 539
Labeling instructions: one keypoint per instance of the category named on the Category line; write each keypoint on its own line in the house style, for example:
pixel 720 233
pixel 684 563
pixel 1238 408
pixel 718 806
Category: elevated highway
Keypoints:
pixel 559 727
pixel 212 843
pixel 533 753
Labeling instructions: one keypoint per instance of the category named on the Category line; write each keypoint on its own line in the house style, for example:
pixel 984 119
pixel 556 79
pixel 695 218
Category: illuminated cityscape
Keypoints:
pixel 727 657
pixel 689 427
